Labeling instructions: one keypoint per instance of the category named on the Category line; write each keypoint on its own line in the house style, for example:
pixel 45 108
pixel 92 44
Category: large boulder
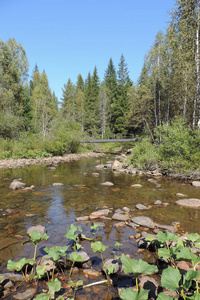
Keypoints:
pixel 196 183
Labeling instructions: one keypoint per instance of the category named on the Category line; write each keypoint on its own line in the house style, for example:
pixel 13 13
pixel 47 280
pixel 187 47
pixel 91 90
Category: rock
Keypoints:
pixel 41 229
pixel 183 265
pixel 119 217
pixel 107 183
pixel 116 165
pixel 143 221
pixel 149 283
pixel 196 183
pixel 166 227
pixel 99 167
pixel 13 277
pixel 120 224
pixel 15 185
pixel 156 173
pixel 119 211
pixel 158 202
pixel 84 218
pixel 192 202
pixel 137 185
pixel 180 195
pixel 47 262
pixel 126 209
pixel 142 243
pixel 141 207
pixel 112 262
pixel 51 168
pixel 28 294
pixel 57 184
pixel 99 224
pixel 9 285
pixel 91 273
pixel 97 214
pixel 95 174
pixel 83 255
pixel 165 204
pixel 9 211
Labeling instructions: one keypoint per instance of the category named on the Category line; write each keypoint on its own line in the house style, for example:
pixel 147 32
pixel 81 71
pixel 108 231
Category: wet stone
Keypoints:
pixel 84 218
pixel 91 273
pixel 126 209
pixel 57 184
pixel 158 202
pixel 95 174
pixel 120 224
pixel 192 202
pixel 180 195
pixel 107 183
pixel 28 294
pixel 119 217
pixel 112 262
pixel 15 185
pixel 196 183
pixel 143 221
pixel 41 229
pixel 137 185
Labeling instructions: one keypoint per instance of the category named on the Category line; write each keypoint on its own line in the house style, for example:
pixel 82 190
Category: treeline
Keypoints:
pixel 168 87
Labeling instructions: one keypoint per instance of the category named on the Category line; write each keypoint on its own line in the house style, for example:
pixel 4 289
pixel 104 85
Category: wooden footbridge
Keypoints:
pixel 122 140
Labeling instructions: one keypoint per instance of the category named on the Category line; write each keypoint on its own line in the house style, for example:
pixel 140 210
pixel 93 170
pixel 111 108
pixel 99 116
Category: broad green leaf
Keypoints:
pixel 186 254
pixel 30 261
pixel 54 286
pixel 78 246
pixel 149 238
pixel 188 277
pixel 75 257
pixel 42 297
pixel 111 269
pixel 166 237
pixel 162 296
pixel 193 237
pixel 17 266
pixel 170 279
pixel 129 294
pixel 196 296
pixel 41 270
pixel 98 247
pixel 117 244
pixel 164 252
pixel 36 237
pixel 56 252
pixel 71 232
pixel 137 267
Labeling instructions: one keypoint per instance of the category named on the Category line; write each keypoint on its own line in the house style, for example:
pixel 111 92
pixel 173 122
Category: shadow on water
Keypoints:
pixel 57 207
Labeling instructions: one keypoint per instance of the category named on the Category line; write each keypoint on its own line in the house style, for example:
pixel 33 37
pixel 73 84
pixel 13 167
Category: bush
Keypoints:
pixel 144 154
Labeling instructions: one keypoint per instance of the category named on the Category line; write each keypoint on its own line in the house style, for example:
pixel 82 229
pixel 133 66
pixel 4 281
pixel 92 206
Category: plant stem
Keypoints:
pixel 104 268
pixel 95 283
pixel 137 286
pixel 197 286
pixel 70 272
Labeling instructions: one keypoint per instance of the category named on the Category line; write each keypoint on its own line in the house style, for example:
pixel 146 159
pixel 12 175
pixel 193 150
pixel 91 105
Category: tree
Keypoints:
pixel 68 101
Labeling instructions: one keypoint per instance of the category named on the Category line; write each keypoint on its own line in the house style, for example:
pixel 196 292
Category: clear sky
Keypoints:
pixel 66 38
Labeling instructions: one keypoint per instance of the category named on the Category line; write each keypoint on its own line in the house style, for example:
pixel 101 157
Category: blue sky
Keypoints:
pixel 66 38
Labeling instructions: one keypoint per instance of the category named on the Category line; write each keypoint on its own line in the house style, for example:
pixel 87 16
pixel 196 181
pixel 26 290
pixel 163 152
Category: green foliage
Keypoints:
pixel 144 154
pixel 129 294
pixel 98 247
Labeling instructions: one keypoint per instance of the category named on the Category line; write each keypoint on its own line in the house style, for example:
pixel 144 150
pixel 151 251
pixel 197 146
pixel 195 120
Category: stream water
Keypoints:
pixel 57 207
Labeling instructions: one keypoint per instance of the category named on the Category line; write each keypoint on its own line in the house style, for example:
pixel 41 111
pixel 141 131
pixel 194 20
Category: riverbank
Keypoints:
pixel 55 160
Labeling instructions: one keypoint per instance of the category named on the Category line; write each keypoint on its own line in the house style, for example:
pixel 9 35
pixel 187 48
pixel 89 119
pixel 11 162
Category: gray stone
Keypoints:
pixel 8 285
pixel 192 202
pixel 196 183
pixel 112 262
pixel 41 229
pixel 120 217
pixel 28 294
pixel 116 165
pixel 141 207
pixel 158 202
pixel 46 261
pixel 143 221
pixel 137 185
pixel 57 184
pixel 126 209
pixel 83 255
pixel 150 284
pixel 84 218
pixel 15 185
pixel 107 183
pixel 180 195
pixel 99 167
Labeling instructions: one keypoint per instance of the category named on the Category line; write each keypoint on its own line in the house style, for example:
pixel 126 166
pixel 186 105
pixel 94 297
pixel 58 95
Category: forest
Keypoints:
pixel 163 106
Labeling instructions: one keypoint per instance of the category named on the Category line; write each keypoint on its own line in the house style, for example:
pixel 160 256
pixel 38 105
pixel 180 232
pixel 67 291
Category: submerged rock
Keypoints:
pixel 112 262
pixel 28 294
pixel 120 217
pixel 41 229
pixel 141 207
pixel 196 183
pixel 137 185
pixel 57 184
pixel 107 183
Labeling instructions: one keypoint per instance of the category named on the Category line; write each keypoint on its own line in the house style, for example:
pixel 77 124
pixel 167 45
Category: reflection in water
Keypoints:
pixel 57 207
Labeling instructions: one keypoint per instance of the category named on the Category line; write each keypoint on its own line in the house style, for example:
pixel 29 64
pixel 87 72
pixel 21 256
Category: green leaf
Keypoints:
pixel 71 283
pixel 186 254
pixel 162 296
pixel 188 277
pixel 36 237
pixel 41 270
pixel 94 227
pixel 117 244
pixel 79 283
pixel 193 237
pixel 42 297
pixel 149 238
pixel 170 279
pixel 75 257
pixel 166 237
pixel 111 269
pixel 17 266
pixel 196 296
pixel 129 294
pixel 137 267
pixel 98 247
pixel 54 286
pixel 164 252
pixel 71 232
pixel 78 246
pixel 56 252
